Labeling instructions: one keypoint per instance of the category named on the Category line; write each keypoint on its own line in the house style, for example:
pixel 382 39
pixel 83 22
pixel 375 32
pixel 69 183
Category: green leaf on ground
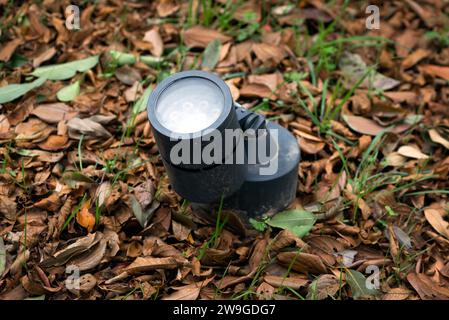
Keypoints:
pixel 65 70
pixel 2 256
pixel 42 297
pixel 141 104
pixel 13 91
pixel 211 54
pixel 122 58
pixel 258 225
pixel 70 92
pixel 358 284
pixel 300 222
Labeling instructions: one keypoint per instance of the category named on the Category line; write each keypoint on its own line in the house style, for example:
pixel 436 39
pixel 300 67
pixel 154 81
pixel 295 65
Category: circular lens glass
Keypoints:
pixel 189 105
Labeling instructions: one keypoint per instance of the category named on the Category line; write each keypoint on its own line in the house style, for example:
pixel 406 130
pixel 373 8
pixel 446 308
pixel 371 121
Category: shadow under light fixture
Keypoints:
pixel 211 147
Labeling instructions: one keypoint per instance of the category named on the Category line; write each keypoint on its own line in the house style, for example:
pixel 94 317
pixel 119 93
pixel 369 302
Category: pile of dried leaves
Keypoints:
pixel 83 190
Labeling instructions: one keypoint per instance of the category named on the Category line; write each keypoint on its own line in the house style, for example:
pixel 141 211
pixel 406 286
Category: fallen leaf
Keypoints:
pixel 299 222
pixel 85 218
pixel 256 90
pixel 91 258
pixel 144 264
pixel 55 143
pixel 8 49
pixel 189 293
pixel 435 71
pixel 326 285
pixel 358 284
pixel 128 75
pixel 166 8
pixel 370 127
pixel 44 56
pixel 395 159
pixel 354 69
pixel 302 262
pixel 411 152
pixel 65 70
pixel 87 127
pixel 54 112
pixel 266 52
pixel 435 219
pixel 14 91
pixel 414 58
pixel 211 55
pixel 79 246
pixel 426 288
pixel 400 293
pixel 199 37
pixel 2 256
pixel 69 92
pixel 152 36
pixel 437 138
pixel 289 282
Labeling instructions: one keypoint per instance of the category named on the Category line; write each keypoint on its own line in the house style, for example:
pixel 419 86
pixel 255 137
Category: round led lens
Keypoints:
pixel 189 105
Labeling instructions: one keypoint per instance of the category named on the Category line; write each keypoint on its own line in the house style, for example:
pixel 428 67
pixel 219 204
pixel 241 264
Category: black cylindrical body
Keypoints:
pixel 198 180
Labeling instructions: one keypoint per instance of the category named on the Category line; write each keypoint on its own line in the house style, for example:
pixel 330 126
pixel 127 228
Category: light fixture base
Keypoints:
pixel 263 194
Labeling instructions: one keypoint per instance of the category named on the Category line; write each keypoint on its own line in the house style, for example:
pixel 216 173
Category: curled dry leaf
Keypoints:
pixel 85 218
pixel 302 262
pixel 45 55
pixel 370 127
pixel 8 49
pixel 43 156
pixel 266 52
pixel 326 285
pixel 426 288
pixel 435 219
pixel 286 238
pixel 8 207
pixel 435 71
pixel 354 69
pixel 143 264
pixel 33 129
pixel 103 192
pixel 411 152
pixel 52 203
pixel 79 246
pixel 152 36
pixel 55 143
pixel 166 8
pixel 189 293
pixel 437 138
pixel 395 159
pixel 400 293
pixel 414 58
pixel 87 127
pixel 199 37
pixel 91 258
pixel 256 90
pixel 128 75
pixel 290 282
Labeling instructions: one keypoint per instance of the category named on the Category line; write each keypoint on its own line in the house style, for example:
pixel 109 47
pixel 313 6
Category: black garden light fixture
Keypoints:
pixel 211 147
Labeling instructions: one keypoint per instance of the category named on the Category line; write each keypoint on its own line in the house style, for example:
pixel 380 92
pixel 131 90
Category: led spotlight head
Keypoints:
pixel 190 105
pixel 189 113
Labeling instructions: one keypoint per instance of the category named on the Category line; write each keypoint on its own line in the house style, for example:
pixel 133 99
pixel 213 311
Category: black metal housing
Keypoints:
pixel 202 183
pixel 242 185
pixel 166 139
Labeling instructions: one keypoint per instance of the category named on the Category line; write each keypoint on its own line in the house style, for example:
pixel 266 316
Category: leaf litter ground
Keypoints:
pixel 82 188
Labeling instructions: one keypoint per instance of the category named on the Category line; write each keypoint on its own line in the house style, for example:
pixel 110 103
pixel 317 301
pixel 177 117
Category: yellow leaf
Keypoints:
pixel 85 218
